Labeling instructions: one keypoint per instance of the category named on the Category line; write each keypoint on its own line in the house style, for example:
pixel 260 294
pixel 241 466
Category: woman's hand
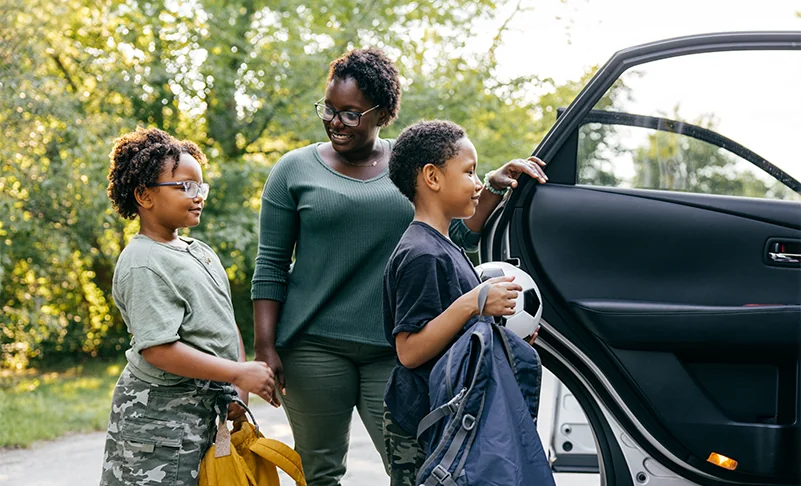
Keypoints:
pixel 236 410
pixel 506 177
pixel 270 356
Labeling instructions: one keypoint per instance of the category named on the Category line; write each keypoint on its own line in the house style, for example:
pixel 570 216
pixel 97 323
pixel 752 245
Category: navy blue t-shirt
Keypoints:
pixel 425 274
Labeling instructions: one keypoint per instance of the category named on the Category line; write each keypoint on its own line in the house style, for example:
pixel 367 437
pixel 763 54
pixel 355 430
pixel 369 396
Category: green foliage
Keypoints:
pixel 57 235
pixel 596 140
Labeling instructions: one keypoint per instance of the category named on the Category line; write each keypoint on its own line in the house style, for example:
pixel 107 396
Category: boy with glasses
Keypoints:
pixel 186 352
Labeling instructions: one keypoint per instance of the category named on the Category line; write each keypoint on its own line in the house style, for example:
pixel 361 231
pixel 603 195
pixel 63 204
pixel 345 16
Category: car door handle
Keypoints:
pixel 783 252
pixel 785 257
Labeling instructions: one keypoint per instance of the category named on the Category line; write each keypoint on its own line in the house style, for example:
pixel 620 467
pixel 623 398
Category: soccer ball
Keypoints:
pixel 528 306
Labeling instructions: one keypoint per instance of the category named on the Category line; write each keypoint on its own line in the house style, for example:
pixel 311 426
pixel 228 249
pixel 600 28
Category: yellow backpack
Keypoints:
pixel 246 458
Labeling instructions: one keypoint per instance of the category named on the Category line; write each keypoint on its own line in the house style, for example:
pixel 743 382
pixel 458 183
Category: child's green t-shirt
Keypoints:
pixel 167 294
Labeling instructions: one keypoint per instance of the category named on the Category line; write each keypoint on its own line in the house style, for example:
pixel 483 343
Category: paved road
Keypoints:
pixel 75 460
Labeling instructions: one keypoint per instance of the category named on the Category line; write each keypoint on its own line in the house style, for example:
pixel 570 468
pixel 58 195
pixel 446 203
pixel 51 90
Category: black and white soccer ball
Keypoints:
pixel 528 306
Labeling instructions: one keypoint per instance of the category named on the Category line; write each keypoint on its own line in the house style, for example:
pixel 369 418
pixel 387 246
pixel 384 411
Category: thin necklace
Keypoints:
pixel 368 164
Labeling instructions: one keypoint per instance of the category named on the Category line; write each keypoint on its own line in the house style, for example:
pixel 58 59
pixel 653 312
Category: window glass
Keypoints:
pixel 749 97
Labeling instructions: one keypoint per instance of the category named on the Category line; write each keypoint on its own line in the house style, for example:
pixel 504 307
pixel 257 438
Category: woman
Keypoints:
pixel 334 205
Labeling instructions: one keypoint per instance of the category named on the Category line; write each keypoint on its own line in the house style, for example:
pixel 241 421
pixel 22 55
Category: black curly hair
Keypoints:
pixel 376 76
pixel 137 159
pixel 425 142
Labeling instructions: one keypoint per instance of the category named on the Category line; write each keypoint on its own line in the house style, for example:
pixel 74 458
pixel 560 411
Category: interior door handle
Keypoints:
pixel 785 257
pixel 783 252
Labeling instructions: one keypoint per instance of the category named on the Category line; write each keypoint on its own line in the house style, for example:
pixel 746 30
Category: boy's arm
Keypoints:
pixel 183 360
pixel 234 409
pixel 417 348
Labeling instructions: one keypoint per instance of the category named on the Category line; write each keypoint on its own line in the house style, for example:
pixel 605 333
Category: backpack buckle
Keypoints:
pixel 441 474
pixel 453 407
pixel 453 404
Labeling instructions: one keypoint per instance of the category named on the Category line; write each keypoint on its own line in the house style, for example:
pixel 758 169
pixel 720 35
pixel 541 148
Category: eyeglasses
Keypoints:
pixel 191 188
pixel 348 118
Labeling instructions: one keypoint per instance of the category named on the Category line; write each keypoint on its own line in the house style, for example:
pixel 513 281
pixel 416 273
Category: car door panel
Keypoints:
pixel 676 291
pixel 782 213
pixel 615 241
pixel 741 423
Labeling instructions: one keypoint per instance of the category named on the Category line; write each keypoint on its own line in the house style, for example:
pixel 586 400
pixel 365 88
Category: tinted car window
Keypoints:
pixel 747 99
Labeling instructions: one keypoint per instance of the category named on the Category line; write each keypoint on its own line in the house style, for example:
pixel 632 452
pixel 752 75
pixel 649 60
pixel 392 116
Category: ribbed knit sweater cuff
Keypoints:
pixel 269 291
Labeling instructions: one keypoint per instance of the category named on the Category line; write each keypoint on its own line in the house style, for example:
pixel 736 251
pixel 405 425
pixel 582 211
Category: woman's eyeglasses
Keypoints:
pixel 192 189
pixel 348 118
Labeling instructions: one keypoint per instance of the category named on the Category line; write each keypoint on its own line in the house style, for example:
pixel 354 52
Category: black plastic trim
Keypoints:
pixel 780 213
pixel 575 463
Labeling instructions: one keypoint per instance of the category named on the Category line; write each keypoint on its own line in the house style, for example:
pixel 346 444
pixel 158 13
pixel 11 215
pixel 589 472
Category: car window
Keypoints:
pixel 702 123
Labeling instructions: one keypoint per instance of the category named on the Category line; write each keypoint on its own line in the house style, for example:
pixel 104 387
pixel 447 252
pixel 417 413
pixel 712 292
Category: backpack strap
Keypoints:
pixel 440 413
pixel 440 475
pixel 282 456
pixel 483 293
pixel 222 441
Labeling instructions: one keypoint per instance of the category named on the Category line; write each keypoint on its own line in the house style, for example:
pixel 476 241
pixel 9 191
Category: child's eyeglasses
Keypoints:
pixel 192 189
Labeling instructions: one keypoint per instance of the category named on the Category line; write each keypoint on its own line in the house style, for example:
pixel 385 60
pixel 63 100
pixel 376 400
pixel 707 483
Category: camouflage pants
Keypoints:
pixel 404 453
pixel 159 434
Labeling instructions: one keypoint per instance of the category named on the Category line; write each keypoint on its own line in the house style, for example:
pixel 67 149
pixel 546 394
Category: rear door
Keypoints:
pixel 666 246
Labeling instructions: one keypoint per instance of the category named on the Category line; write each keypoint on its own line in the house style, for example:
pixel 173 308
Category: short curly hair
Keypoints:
pixel 376 76
pixel 425 142
pixel 137 159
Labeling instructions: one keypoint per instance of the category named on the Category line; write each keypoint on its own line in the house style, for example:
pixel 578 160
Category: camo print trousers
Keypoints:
pixel 404 453
pixel 159 434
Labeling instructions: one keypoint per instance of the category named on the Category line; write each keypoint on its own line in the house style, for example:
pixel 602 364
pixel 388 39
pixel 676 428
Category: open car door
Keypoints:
pixel 667 248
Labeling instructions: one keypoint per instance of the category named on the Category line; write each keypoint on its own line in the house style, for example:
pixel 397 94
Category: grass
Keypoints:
pixel 37 404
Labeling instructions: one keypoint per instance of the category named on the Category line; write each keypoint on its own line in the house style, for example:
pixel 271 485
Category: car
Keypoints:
pixel 667 249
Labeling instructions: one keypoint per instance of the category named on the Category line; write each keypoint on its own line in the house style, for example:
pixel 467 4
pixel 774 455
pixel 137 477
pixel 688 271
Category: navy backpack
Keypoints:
pixel 484 400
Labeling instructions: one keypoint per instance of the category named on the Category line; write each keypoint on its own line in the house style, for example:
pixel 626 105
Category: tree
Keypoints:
pixel 58 239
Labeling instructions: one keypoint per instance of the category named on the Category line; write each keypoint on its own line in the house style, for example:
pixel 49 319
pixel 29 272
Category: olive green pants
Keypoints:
pixel 325 379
